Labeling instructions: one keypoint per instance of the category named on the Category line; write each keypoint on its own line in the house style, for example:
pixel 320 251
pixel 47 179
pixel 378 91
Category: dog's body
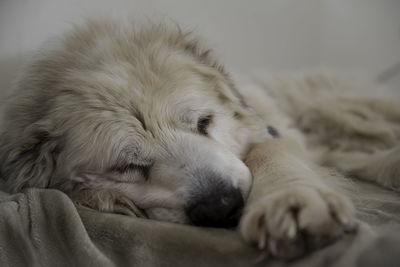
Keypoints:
pixel 146 122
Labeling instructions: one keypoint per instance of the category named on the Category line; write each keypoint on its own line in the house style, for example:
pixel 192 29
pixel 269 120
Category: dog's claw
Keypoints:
pixel 263 237
pixel 292 231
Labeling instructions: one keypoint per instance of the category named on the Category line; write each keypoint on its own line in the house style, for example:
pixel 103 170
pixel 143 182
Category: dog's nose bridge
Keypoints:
pixel 198 156
pixel 194 151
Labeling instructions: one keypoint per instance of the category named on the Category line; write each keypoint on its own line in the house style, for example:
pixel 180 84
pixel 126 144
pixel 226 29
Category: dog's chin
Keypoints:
pixel 168 215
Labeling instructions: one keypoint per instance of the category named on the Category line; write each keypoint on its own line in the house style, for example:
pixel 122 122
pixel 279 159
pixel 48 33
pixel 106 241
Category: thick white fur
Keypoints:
pixel 112 95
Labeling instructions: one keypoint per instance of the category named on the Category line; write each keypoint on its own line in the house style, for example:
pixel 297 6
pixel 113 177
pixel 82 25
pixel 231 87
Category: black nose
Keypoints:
pixel 219 206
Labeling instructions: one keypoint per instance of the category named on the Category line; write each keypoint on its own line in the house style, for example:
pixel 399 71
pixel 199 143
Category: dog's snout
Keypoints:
pixel 217 208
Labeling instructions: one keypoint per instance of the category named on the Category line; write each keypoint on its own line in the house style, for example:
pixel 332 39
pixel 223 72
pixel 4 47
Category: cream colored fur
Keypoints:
pixel 111 117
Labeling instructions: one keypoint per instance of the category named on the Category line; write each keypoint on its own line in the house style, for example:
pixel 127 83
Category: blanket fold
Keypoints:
pixel 42 227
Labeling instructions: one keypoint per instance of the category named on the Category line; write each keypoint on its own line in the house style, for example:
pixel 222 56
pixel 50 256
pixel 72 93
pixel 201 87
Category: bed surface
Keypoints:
pixel 42 227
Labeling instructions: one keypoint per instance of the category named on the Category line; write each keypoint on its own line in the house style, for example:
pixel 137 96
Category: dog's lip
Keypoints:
pixel 234 218
pixel 139 212
pixel 143 214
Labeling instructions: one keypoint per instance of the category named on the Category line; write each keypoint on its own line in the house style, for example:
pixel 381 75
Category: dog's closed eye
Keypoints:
pixel 203 123
pixel 131 168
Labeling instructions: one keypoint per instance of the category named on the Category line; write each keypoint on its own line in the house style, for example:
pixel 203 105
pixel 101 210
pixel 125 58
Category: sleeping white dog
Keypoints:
pixel 144 121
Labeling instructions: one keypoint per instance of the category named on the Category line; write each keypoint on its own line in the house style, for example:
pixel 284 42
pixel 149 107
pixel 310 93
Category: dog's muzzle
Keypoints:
pixel 216 205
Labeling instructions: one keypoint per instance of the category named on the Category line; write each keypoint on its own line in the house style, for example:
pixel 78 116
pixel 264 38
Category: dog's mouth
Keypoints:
pixel 130 210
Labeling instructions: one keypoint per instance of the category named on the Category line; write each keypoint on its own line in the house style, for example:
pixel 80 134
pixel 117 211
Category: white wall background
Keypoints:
pixel 362 35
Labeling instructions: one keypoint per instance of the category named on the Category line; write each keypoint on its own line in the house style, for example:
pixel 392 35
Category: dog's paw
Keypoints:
pixel 389 178
pixel 387 172
pixel 293 221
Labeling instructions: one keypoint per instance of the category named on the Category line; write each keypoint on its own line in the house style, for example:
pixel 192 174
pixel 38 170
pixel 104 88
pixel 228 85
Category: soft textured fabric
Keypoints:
pixel 42 227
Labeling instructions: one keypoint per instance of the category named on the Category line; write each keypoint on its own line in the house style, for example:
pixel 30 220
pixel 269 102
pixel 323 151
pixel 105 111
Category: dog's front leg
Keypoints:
pixel 290 209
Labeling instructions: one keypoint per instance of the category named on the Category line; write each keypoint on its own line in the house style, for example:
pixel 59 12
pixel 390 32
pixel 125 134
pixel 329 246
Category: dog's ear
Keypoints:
pixel 211 69
pixel 30 160
pixel 224 86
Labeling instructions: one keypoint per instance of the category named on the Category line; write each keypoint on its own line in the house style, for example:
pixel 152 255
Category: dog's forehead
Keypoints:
pixel 175 97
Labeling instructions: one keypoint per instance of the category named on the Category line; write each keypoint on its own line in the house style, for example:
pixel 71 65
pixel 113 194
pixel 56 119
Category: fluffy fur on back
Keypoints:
pixel 344 123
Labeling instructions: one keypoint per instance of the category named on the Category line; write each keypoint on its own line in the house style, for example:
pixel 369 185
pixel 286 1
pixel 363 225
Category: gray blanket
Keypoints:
pixel 42 227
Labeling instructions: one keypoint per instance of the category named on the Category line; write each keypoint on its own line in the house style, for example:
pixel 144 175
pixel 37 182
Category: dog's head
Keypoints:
pixel 147 114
